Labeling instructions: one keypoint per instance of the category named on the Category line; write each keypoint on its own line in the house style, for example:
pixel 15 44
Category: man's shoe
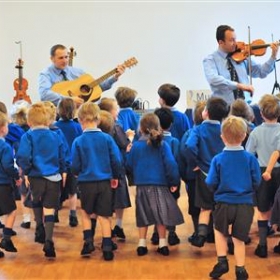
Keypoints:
pixel 241 275
pixel 7 245
pixel 49 250
pixel 198 241
pixel 155 238
pixel 261 251
pixel 25 224
pixel 88 248
pixel 276 249
pixel 73 221
pixel 173 239
pixel 142 251
pixel 219 269
pixel 163 251
pixel 118 232
pixel 108 255
pixel 40 235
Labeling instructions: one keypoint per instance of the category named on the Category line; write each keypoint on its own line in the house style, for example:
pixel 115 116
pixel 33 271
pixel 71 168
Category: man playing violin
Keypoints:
pixel 61 71
pixel 216 68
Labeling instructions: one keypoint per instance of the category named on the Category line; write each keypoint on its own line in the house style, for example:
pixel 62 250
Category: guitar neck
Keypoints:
pixel 103 78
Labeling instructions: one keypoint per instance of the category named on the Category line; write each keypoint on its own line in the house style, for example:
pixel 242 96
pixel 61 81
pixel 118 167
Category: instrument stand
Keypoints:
pixel 276 85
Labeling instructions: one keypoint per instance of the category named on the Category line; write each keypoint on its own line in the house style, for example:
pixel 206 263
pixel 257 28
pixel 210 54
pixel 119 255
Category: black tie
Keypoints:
pixel 238 93
pixel 63 73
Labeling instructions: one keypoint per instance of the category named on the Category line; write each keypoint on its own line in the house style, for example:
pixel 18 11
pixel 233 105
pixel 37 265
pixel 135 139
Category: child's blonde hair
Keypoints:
pixel 107 122
pixel 240 108
pixel 234 129
pixel 125 96
pixel 269 107
pixel 51 109
pixel 107 104
pixel 3 119
pixel 89 112
pixel 38 115
pixel 197 112
pixel 150 126
pixel 19 112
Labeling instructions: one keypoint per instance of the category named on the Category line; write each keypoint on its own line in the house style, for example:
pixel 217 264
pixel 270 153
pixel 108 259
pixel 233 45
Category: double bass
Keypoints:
pixel 20 83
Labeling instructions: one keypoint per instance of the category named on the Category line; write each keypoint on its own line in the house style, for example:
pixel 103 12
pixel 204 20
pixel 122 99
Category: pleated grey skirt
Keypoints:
pixel 156 205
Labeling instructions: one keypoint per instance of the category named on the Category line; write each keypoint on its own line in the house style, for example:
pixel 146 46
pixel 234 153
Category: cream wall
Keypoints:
pixel 169 39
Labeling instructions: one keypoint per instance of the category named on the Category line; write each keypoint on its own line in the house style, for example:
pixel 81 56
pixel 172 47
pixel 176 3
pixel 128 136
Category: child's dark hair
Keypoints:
pixel 269 106
pixel 66 109
pixel 240 108
pixel 165 116
pixel 3 108
pixel 125 96
pixel 217 108
pixel 169 93
pixel 150 126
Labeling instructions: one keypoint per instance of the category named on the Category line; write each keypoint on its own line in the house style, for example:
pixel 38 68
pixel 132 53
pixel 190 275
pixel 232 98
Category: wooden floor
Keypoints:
pixel 184 261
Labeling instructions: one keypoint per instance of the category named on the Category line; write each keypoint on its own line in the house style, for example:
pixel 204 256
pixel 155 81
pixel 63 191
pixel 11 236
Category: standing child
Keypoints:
pixel 96 162
pixel 155 173
pixel 234 176
pixel 169 95
pixel 41 156
pixel 202 145
pixel 166 119
pixel 71 130
pixel 121 195
pixel 127 118
pixel 263 140
pixel 7 173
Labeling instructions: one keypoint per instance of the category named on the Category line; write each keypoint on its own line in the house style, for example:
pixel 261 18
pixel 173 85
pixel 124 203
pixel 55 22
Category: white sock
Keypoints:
pixel 162 242
pixel 142 242
pixel 119 222
pixel 26 218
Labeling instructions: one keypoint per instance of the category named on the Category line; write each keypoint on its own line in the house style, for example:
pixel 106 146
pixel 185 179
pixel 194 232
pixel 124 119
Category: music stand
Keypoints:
pixel 276 85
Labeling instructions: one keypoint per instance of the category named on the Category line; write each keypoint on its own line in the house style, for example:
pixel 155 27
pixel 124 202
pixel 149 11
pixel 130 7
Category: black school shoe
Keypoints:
pixel 88 248
pixel 7 245
pixel 219 269
pixel 49 249
pixel 73 221
pixel 198 240
pixel 25 224
pixel 118 232
pixel 276 249
pixel 142 251
pixel 163 251
pixel 261 251
pixel 2 254
pixel 241 275
pixel 155 238
pixel 173 238
pixel 40 235
pixel 108 255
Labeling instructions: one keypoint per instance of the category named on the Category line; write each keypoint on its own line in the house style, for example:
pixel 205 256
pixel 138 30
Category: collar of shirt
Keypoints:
pixel 222 53
pixel 92 129
pixel 167 133
pixel 58 71
pixel 234 148
pixel 127 108
pixel 211 121
pixel 2 138
pixel 39 127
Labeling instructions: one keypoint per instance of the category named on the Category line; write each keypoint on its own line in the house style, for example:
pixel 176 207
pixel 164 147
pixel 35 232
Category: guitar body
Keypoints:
pixel 79 87
pixel 85 86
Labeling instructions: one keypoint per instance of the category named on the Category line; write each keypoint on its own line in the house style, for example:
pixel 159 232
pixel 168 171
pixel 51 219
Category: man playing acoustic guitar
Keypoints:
pixel 60 73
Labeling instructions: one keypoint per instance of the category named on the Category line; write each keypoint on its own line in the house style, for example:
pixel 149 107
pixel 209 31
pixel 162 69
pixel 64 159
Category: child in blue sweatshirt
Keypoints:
pixel 41 156
pixel 155 173
pixel 7 173
pixel 234 176
pixel 96 162
pixel 202 145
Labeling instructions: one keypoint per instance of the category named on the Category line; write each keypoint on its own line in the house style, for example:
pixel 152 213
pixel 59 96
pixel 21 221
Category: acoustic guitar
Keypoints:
pixel 85 86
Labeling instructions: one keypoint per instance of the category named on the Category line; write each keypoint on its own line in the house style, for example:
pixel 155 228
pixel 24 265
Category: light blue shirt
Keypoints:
pixel 51 75
pixel 218 76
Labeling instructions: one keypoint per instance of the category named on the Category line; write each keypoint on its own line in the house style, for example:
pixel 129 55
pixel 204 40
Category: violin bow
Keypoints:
pixel 249 57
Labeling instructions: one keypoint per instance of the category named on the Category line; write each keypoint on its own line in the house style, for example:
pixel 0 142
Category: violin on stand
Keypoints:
pixel 20 83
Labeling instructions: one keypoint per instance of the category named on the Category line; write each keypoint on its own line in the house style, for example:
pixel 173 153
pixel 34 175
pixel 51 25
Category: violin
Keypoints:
pixel 257 48
pixel 21 85
pixel 71 54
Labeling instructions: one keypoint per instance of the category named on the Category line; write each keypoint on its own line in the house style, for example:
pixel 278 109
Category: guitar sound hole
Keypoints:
pixel 85 89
